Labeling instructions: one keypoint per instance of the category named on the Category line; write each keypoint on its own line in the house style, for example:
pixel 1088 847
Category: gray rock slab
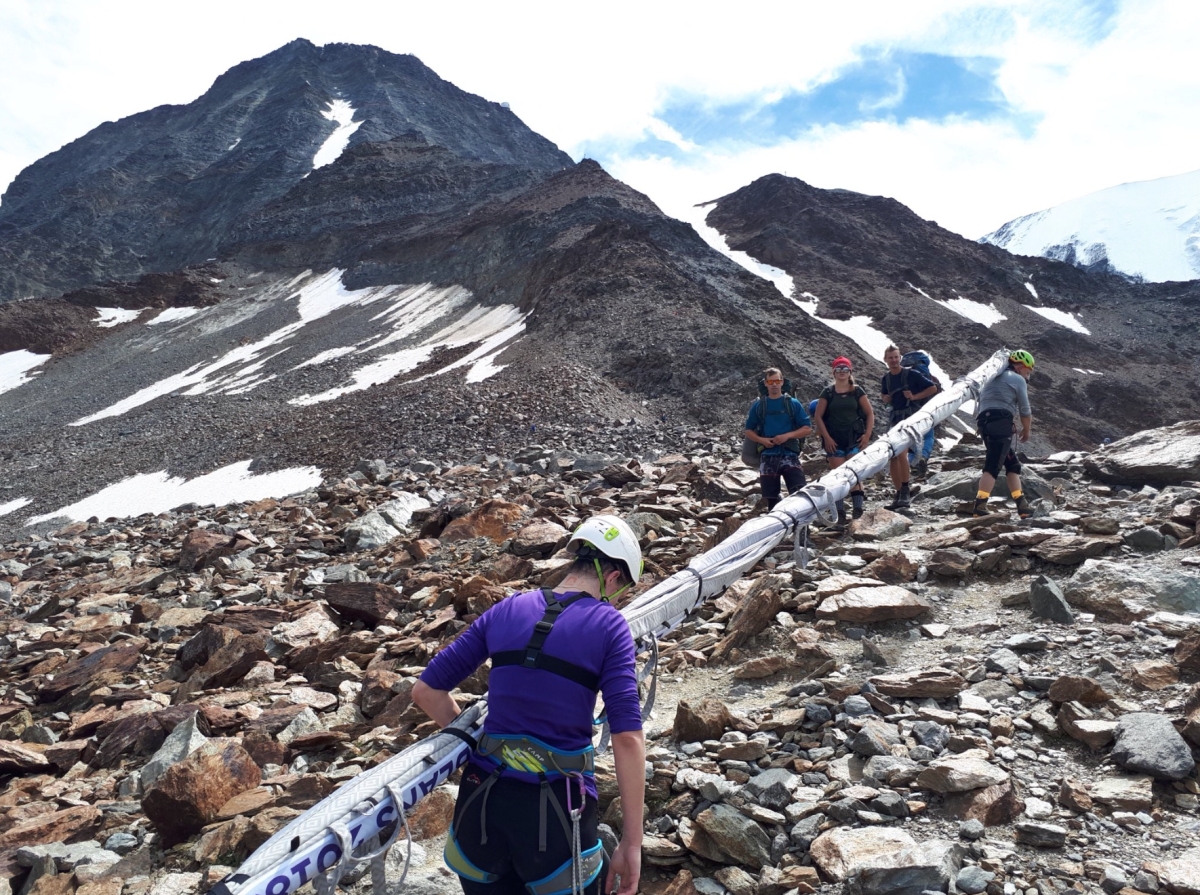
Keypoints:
pixel 1148 743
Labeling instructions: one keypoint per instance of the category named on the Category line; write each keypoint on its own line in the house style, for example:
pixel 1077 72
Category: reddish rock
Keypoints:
pixel 874 604
pixel 539 539
pixel 508 567
pixel 377 690
pixel 1074 795
pixel 432 816
pixel 18 759
pixel 369 602
pixel 1078 688
pixel 893 568
pixel 191 793
pixel 202 546
pixel 991 806
pixel 230 663
pixel 935 683
pixel 265 749
pixel 756 609
pixel 1153 675
pixel 477 595
pixel 707 721
pixel 201 647
pixel 136 735
pixel 493 519
pixel 1187 652
pixel 118 658
pixel 69 825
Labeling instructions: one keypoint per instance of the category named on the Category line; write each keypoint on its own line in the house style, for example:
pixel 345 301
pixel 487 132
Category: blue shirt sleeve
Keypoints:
pixel 802 417
pixel 752 417
pixel 917 381
pixel 459 659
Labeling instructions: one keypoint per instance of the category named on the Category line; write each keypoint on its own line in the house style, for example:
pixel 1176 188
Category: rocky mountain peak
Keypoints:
pixel 162 189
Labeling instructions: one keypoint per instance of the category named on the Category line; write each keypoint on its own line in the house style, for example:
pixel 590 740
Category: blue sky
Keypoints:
pixel 884 85
pixel 971 112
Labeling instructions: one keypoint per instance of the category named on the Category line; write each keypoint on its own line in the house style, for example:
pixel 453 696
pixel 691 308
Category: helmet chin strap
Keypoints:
pixel 600 575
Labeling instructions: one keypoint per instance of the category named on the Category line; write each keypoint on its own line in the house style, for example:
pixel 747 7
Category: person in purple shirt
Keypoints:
pixel 529 785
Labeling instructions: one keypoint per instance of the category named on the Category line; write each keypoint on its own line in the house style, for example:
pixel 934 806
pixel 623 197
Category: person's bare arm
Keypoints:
pixel 629 757
pixel 437 704
pixel 869 412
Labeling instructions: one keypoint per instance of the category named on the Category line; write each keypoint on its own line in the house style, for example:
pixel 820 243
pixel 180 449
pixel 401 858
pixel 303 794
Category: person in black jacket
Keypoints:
pixel 903 389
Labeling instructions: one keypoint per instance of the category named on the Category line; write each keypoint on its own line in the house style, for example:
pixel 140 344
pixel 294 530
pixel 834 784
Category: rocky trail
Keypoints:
pixel 934 703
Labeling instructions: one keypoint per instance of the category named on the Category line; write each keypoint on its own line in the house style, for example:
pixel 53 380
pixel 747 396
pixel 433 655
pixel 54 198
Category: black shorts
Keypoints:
pixel 996 430
pixel 845 442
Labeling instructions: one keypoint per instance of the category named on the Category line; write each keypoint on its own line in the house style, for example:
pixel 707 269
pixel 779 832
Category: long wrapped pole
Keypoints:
pixel 316 842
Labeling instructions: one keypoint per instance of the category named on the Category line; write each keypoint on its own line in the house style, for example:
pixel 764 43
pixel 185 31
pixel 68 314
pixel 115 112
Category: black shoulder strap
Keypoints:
pixel 532 655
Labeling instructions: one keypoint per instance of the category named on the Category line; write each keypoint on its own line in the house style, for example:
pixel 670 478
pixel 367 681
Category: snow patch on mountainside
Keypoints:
pixel 158 492
pixel 784 283
pixel 1062 318
pixel 335 144
pixel 15 367
pixel 1149 229
pixel 173 315
pixel 109 317
pixel 975 311
pixel 13 505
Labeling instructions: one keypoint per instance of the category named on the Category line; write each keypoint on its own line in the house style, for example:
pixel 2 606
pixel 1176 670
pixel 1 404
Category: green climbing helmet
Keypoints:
pixel 1021 356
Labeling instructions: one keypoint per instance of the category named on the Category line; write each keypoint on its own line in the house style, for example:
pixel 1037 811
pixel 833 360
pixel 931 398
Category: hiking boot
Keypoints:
pixel 857 501
pixel 841 512
pixel 980 508
pixel 903 499
pixel 922 466
pixel 1024 509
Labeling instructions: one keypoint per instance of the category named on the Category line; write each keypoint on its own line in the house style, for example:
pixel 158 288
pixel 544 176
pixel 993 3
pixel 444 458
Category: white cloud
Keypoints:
pixel 1111 106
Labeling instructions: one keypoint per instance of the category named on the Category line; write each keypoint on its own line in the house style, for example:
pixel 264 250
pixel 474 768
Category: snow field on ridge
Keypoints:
pixel 15 367
pixel 158 492
pixel 409 310
pixel 1149 228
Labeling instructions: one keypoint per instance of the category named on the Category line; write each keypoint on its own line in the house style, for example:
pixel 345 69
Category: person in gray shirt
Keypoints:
pixel 1002 402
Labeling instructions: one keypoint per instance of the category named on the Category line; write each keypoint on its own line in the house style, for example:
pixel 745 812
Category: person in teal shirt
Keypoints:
pixel 778 423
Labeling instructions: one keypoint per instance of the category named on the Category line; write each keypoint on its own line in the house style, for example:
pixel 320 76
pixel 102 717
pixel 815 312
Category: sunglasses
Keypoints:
pixel 841 369
pixel 774 382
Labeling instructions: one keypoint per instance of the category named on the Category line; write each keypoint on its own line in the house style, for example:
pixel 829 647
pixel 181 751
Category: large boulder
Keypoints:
pixel 843 851
pixel 735 837
pixel 191 792
pixel 874 604
pixel 929 866
pixel 1124 593
pixel 1166 456
pixel 1148 743
pixel 705 721
pixel 963 484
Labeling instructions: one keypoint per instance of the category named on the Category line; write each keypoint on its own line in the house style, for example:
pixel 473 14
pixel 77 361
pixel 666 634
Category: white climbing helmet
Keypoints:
pixel 612 537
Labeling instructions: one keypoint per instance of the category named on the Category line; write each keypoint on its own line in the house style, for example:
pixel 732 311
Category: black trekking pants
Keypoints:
pixel 773 467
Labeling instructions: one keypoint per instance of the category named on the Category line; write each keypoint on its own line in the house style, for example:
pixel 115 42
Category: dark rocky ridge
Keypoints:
pixel 858 254
pixel 163 189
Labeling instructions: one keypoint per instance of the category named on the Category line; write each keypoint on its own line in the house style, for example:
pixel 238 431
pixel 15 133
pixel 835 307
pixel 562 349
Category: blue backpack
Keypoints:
pixel 920 361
